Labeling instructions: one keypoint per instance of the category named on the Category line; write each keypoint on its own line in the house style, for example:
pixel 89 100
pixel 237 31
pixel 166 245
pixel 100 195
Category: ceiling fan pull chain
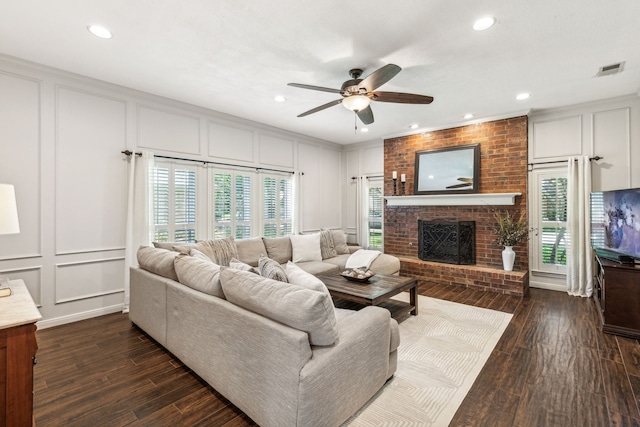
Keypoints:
pixel 355 123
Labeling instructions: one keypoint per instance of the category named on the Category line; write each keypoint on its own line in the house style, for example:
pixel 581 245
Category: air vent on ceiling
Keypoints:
pixel 608 70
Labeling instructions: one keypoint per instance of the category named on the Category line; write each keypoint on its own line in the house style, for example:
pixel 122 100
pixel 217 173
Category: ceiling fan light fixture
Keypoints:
pixel 484 23
pixel 356 102
pixel 99 31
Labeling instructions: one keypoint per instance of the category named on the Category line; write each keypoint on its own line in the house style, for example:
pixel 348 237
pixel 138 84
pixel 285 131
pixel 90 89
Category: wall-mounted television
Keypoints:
pixel 615 222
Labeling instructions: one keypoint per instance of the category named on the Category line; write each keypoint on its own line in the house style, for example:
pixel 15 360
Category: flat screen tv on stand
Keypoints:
pixel 615 224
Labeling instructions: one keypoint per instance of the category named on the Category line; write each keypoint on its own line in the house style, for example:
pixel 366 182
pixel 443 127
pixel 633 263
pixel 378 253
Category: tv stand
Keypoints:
pixel 617 297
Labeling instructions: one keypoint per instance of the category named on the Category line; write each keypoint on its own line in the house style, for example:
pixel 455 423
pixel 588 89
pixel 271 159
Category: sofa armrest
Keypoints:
pixel 339 379
pixel 353 248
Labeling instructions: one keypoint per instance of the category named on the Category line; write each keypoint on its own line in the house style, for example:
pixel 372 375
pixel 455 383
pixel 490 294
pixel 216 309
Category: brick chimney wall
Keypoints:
pixel 503 169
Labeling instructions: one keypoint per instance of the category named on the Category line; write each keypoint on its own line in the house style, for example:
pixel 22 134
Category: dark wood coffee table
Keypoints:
pixel 377 291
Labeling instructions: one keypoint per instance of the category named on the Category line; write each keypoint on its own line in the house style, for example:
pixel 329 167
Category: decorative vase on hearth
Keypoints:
pixel 508 258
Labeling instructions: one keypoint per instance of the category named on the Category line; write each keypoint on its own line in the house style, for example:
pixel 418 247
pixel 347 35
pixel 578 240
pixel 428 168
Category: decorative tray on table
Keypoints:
pixel 361 275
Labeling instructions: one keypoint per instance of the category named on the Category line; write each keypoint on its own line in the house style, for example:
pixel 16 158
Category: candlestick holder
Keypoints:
pixel 402 186
pixel 395 186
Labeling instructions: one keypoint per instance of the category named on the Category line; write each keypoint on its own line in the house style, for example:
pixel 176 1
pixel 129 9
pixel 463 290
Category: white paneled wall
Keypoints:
pixel 60 141
pixel 609 129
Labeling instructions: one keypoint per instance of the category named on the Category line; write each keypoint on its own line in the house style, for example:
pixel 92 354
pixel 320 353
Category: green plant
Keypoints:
pixel 510 231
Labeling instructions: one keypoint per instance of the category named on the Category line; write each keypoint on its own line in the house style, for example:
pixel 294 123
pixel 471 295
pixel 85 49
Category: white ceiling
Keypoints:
pixel 234 56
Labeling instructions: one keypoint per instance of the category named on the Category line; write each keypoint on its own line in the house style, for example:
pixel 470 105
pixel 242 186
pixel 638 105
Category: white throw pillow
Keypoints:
pixel 295 306
pixel 299 277
pixel 306 247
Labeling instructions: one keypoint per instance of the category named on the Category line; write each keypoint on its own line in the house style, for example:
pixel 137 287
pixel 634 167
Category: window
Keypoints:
pixel 232 204
pixel 375 209
pixel 277 205
pixel 371 212
pixel 551 243
pixel 174 202
pixel 242 203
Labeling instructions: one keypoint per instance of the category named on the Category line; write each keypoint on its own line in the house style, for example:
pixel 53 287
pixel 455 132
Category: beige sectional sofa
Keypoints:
pixel 281 352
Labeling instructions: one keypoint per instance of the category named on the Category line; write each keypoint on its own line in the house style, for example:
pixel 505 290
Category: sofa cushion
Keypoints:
pixel 270 269
pixel 292 305
pixel 340 241
pixel 327 249
pixel 249 250
pixel 157 261
pixel 278 248
pixel 317 267
pixel 239 265
pixel 203 276
pixel 305 247
pixel 220 251
pixel 299 277
pixel 182 247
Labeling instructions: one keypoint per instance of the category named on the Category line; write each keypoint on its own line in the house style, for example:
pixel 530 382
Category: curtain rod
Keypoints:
pixel 129 153
pixel 596 158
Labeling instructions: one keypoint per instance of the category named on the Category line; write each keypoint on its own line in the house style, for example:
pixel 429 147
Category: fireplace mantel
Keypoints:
pixel 481 199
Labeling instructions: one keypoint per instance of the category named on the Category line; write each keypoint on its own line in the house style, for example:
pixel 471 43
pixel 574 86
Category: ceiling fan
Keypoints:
pixel 357 93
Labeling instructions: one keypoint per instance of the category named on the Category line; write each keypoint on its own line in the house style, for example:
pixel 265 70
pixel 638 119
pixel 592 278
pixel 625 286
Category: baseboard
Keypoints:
pixel 76 317
pixel 548 286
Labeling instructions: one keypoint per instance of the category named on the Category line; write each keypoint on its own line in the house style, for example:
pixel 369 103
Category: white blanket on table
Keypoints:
pixel 361 258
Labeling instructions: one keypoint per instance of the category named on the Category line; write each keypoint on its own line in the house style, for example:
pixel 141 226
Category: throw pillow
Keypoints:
pixel 327 249
pixel 340 241
pixel 239 265
pixel 299 277
pixel 158 261
pixel 297 307
pixel 219 251
pixel 278 248
pixel 249 250
pixel 306 247
pixel 181 247
pixel 270 268
pixel 198 274
pixel 197 254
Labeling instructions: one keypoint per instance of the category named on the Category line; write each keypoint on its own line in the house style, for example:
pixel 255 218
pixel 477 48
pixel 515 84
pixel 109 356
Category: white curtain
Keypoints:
pixel 138 214
pixel 580 259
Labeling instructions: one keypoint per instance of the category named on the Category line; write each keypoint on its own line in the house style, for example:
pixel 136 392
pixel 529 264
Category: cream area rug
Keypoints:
pixel 442 351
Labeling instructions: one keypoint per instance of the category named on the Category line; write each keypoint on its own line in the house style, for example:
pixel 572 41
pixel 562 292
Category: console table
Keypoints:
pixel 617 297
pixel 18 346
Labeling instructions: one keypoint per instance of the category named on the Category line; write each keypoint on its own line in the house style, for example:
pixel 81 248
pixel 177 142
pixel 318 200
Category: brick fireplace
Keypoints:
pixel 503 169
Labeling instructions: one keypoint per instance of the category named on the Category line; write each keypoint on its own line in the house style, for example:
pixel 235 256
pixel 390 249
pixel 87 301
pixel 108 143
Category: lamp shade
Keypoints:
pixel 8 210
pixel 356 102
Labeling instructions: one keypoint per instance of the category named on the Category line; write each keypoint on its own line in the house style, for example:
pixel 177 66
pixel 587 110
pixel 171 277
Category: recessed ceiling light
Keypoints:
pixel 484 23
pixel 364 130
pixel 99 31
pixel 468 116
pixel 522 96
pixel 280 98
pixel 415 126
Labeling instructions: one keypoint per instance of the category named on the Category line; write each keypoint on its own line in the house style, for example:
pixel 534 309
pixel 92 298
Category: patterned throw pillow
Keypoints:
pixel 220 251
pixel 327 248
pixel 270 269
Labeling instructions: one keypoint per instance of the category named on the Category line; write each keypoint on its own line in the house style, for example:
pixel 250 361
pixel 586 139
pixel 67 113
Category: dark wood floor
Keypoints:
pixel 552 367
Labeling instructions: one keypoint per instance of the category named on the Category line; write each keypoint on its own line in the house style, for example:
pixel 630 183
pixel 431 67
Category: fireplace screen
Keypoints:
pixel 450 242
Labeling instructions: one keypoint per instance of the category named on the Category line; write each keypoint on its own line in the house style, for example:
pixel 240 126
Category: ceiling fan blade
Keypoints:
pixel 379 77
pixel 320 88
pixel 320 108
pixel 458 185
pixel 402 98
pixel 366 115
